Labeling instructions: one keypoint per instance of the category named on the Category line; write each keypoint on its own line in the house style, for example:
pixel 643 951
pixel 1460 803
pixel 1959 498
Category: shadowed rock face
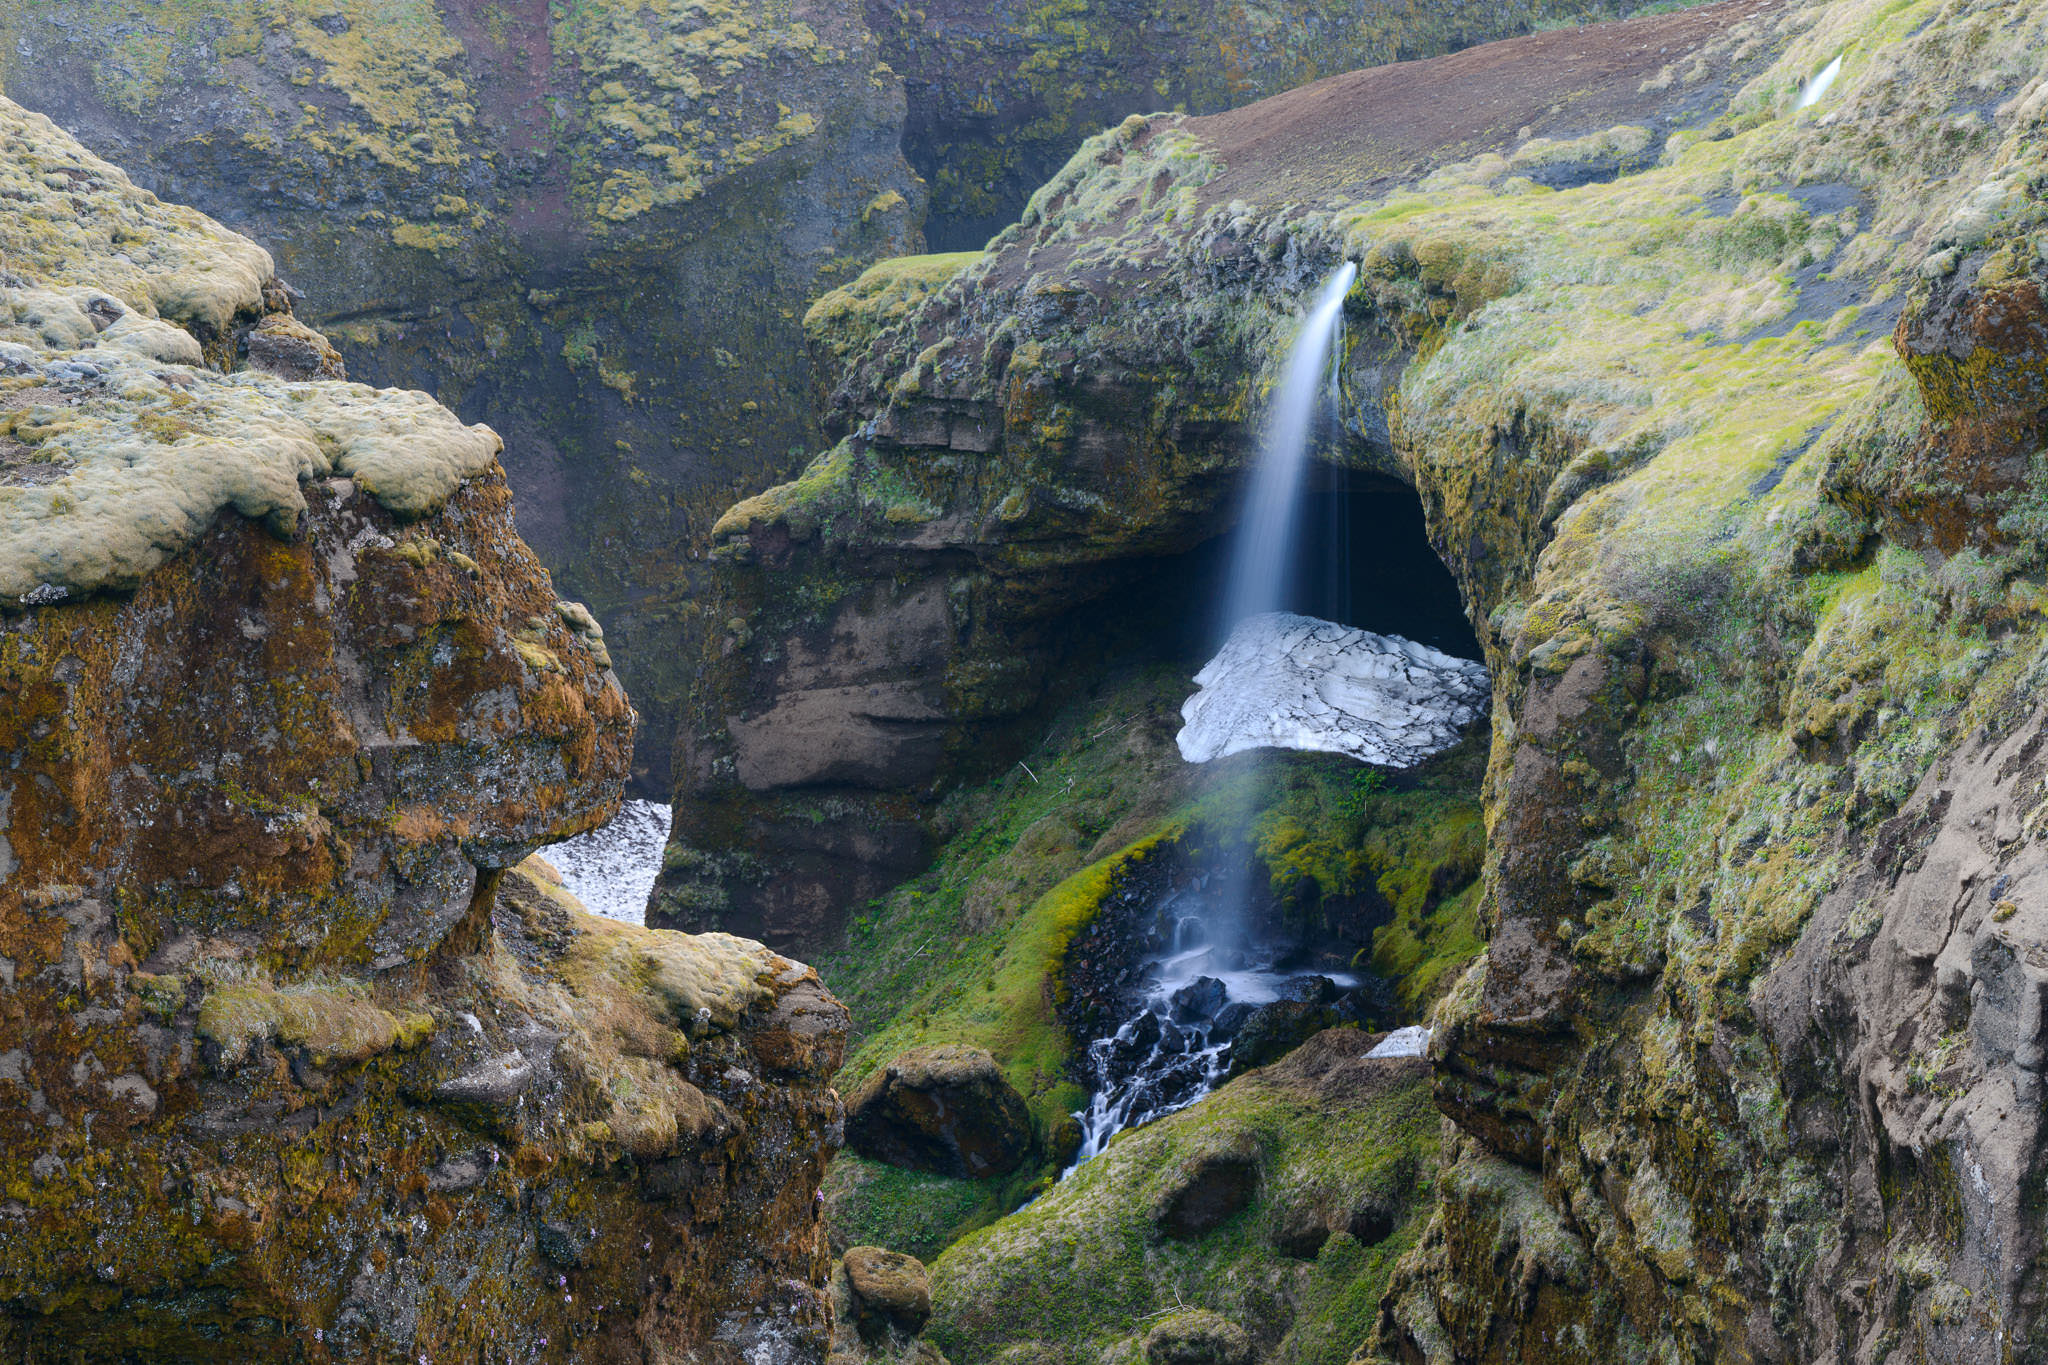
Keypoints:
pixel 296 1059
pixel 946 1109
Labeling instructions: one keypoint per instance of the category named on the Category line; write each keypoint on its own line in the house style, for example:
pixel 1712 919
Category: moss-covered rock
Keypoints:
pixel 1084 1273
pixel 1722 408
pixel 946 1109
pixel 298 1058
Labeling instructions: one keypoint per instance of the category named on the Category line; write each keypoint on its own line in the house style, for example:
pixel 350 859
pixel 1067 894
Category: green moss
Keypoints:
pixel 1082 1269
pixel 846 321
pixel 331 1018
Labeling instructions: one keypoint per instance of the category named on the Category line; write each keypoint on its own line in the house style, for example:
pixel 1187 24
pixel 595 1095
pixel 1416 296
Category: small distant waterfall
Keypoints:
pixel 1265 533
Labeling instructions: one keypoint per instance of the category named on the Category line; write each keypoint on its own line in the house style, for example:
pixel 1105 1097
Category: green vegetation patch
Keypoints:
pixel 1085 1271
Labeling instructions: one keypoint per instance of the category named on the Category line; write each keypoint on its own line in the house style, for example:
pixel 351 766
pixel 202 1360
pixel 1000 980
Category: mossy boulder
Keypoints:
pixel 1198 1338
pixel 891 1292
pixel 946 1109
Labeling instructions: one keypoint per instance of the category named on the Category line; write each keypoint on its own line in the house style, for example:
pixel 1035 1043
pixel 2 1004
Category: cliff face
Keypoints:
pixel 296 1061
pixel 596 225
pixel 1721 401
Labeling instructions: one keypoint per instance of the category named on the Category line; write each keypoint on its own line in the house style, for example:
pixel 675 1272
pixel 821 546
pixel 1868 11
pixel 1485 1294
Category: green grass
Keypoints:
pixel 1083 1271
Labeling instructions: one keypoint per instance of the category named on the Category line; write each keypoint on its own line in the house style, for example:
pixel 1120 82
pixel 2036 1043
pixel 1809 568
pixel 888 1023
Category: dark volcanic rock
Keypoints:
pixel 946 1109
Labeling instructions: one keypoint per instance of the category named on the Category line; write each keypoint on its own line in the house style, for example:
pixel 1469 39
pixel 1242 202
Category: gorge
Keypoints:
pixel 623 742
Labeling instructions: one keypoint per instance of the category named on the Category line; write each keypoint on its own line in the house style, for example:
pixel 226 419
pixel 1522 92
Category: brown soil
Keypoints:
pixel 1353 136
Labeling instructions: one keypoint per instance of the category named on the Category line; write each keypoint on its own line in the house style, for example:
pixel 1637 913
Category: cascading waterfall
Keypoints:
pixel 1176 1047
pixel 1265 533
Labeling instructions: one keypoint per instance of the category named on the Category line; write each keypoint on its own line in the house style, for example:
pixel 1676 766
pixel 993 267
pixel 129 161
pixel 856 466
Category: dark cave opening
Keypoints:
pixel 1361 557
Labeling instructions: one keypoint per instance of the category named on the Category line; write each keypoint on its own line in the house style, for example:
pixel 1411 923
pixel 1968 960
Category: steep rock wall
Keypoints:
pixel 596 225
pixel 1722 403
pixel 297 1061
pixel 1044 426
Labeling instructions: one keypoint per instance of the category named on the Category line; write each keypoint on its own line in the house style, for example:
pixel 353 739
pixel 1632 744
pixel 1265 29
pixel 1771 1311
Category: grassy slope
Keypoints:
pixel 970 952
pixel 1082 1273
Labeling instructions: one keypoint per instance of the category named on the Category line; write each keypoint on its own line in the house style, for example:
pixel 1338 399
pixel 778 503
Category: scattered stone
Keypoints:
pixel 945 1109
pixel 1198 1337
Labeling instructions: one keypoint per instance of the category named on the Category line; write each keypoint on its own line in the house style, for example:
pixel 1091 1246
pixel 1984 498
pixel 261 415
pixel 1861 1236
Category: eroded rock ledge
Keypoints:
pixel 297 1060
pixel 1725 413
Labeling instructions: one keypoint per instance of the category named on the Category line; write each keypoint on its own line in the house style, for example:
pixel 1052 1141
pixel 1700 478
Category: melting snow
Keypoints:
pixel 612 868
pixel 1293 682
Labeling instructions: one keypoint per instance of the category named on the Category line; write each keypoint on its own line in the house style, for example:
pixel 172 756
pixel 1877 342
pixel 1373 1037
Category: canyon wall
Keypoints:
pixel 1718 385
pixel 597 225
pixel 299 1059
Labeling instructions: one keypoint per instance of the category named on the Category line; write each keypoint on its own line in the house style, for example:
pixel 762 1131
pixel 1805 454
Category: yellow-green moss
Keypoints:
pixel 849 318
pixel 333 1018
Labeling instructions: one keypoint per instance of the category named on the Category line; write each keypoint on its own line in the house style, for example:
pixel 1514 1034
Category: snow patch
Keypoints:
pixel 1293 682
pixel 1412 1041
pixel 612 868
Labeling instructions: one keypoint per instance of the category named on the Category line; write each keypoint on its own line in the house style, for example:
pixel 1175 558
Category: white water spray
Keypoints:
pixel 1818 86
pixel 1265 534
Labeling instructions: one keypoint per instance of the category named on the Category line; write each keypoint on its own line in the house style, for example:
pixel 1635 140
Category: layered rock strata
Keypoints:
pixel 1723 409
pixel 296 1060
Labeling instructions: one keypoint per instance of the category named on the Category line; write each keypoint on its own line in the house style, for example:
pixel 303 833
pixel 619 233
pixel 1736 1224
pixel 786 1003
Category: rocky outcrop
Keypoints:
pixel 297 1058
pixel 945 1108
pixel 1032 453
pixel 1723 411
pixel 597 226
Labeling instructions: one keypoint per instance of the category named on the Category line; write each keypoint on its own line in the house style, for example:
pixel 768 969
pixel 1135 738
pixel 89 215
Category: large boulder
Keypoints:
pixel 300 1055
pixel 1197 1337
pixel 946 1109
pixel 891 1292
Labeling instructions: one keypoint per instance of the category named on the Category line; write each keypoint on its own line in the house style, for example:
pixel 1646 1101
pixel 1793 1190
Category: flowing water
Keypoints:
pixel 1265 533
pixel 1197 997
pixel 1175 1046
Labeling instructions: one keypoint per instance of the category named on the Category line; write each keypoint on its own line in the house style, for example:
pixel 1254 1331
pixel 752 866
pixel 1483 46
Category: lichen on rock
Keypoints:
pixel 297 1055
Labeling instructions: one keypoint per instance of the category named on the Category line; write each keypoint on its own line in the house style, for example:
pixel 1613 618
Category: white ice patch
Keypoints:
pixel 612 868
pixel 1412 1041
pixel 1292 682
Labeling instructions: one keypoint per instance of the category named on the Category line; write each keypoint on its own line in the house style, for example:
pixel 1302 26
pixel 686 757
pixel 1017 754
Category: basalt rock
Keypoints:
pixel 1746 1068
pixel 298 1058
pixel 944 1108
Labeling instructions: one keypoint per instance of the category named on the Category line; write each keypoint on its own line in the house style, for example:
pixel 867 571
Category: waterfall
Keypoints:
pixel 1265 534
